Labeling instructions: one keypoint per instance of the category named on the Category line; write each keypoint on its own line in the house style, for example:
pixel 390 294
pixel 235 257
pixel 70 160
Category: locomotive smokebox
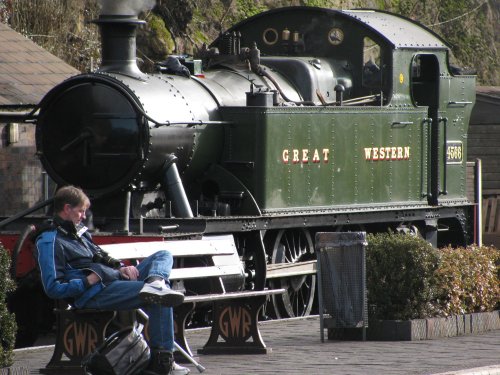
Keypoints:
pixel 118 129
pixel 118 44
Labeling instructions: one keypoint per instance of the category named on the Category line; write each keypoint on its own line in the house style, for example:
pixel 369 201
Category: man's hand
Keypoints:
pixel 92 278
pixel 129 272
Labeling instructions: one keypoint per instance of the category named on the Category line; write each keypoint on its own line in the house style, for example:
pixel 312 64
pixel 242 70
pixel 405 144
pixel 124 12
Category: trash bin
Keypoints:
pixel 341 271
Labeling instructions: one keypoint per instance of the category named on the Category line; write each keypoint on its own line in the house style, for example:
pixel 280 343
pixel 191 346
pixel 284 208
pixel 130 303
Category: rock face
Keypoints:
pixel 182 26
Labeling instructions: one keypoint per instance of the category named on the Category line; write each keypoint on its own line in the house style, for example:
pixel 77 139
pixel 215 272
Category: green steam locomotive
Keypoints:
pixel 294 121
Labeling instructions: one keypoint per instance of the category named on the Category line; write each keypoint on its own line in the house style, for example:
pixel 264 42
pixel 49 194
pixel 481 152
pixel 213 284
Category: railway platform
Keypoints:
pixel 296 348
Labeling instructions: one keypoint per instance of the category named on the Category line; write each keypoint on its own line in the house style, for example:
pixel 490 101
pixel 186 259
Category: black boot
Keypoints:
pixel 160 363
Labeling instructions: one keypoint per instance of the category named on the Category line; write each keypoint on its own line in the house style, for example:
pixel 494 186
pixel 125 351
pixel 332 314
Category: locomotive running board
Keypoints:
pixel 279 270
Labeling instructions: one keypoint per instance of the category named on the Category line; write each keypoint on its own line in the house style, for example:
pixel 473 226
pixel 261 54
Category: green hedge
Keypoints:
pixel 7 320
pixel 408 279
pixel 468 279
pixel 399 274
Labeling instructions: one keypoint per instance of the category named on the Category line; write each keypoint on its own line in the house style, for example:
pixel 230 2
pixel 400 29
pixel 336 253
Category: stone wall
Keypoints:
pixel 422 329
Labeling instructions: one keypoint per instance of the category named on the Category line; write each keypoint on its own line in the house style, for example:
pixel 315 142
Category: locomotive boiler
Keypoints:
pixel 294 121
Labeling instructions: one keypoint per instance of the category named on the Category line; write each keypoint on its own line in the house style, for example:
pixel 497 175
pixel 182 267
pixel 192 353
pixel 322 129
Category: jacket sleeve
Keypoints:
pixel 52 264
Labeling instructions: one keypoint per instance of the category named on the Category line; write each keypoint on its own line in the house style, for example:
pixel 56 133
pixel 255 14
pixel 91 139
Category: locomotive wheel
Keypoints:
pixel 293 246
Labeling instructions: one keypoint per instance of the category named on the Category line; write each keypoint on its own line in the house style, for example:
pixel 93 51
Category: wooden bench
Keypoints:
pixel 491 220
pixel 235 314
pixel 235 321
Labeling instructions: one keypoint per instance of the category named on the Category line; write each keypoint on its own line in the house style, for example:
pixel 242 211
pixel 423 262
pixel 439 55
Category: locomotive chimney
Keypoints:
pixel 118 44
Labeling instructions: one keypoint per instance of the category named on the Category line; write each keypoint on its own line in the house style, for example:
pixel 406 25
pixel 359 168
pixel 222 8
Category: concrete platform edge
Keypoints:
pixel 486 370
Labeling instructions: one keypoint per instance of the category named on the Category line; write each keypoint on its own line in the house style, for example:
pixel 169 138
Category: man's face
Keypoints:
pixel 75 214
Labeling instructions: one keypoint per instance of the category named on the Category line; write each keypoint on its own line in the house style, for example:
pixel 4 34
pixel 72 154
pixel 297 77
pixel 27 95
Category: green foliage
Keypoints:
pixel 407 278
pixel 154 42
pixel 400 280
pixel 208 21
pixel 319 3
pixel 7 320
pixel 468 280
pixel 248 8
pixel 158 28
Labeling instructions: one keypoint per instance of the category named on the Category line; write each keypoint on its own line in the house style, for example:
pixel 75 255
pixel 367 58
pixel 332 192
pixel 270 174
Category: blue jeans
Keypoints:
pixel 124 295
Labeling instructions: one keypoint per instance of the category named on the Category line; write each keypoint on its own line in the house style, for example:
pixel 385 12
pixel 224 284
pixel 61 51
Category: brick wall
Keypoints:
pixel 21 180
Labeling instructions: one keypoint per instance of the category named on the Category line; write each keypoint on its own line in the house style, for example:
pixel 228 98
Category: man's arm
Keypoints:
pixel 51 262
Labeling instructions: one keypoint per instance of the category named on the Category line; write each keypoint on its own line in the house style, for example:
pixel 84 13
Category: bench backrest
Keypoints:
pixel 219 253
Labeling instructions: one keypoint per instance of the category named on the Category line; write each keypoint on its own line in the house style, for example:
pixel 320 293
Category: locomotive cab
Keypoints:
pixel 335 52
pixel 376 84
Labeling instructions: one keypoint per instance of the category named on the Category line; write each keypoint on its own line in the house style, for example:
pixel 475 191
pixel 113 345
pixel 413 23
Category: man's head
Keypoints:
pixel 70 203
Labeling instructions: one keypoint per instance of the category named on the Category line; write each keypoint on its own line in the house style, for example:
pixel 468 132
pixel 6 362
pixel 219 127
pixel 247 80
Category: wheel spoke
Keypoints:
pixel 293 246
pixel 288 247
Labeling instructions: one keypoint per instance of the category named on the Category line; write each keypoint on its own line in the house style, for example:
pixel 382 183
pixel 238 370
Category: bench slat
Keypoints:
pixel 220 245
pixel 221 249
pixel 199 272
pixel 493 212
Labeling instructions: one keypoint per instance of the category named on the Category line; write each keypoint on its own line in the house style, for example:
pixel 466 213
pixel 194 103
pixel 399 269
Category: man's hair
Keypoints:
pixel 71 195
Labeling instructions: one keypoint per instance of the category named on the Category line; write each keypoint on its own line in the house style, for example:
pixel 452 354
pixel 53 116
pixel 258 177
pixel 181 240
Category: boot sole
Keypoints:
pixel 169 300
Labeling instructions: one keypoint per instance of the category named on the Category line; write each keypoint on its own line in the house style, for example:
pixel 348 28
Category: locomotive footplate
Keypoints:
pixel 190 228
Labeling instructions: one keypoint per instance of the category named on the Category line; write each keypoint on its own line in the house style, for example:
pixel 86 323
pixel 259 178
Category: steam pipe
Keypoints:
pixel 16 116
pixel 126 216
pixel 174 188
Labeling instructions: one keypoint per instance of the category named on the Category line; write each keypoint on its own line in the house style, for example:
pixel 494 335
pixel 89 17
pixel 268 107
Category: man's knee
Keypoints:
pixel 162 255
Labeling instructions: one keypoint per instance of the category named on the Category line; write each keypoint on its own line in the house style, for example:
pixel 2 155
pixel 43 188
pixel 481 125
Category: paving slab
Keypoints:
pixel 297 349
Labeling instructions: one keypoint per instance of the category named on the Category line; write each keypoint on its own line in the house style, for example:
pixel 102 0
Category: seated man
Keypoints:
pixel 77 270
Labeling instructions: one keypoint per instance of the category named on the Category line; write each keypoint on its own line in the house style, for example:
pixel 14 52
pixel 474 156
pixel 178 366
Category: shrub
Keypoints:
pixel 400 282
pixel 7 320
pixel 468 280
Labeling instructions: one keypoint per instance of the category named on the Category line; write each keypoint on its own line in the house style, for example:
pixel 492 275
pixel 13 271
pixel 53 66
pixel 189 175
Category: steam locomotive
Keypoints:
pixel 294 121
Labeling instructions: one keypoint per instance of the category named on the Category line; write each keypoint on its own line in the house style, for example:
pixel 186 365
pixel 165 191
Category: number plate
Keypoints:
pixel 454 152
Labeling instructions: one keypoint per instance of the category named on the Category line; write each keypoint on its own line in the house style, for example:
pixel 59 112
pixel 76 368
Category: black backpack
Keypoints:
pixel 125 352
